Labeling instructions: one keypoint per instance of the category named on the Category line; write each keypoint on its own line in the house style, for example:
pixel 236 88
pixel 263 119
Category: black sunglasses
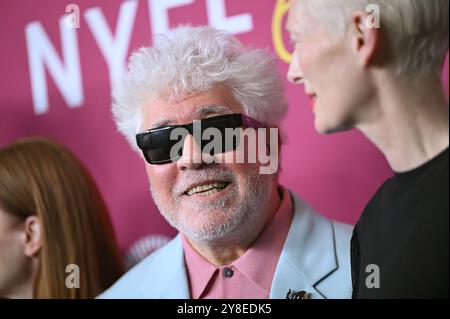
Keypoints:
pixel 158 144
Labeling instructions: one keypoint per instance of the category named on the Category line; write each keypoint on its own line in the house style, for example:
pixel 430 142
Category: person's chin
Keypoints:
pixel 320 127
pixel 327 128
pixel 207 231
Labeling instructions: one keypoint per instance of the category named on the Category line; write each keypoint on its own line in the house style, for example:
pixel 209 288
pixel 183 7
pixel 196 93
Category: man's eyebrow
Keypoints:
pixel 211 109
pixel 161 123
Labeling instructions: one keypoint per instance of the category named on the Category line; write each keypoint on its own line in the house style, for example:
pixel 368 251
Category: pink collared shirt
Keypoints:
pixel 251 275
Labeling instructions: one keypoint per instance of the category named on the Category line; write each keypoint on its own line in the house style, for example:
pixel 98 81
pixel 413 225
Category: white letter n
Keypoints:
pixel 67 75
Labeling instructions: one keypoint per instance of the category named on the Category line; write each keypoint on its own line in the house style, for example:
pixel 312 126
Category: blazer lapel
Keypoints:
pixel 308 254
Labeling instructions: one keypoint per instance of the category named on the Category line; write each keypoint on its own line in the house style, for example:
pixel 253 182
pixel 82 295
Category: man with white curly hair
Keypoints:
pixel 375 65
pixel 241 234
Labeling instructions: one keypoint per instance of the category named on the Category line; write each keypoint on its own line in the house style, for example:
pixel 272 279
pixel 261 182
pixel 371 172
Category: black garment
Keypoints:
pixel 404 231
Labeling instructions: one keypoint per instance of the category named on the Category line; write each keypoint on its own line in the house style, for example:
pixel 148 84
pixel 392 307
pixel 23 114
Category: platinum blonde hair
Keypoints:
pixel 196 59
pixel 416 31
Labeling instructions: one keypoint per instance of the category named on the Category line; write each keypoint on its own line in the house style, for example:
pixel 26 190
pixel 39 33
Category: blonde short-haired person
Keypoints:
pixel 384 79
pixel 241 234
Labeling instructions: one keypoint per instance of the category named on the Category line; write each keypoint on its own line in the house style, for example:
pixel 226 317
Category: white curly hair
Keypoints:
pixel 196 59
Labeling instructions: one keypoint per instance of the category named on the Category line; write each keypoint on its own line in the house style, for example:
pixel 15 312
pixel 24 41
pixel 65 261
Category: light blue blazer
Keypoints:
pixel 315 259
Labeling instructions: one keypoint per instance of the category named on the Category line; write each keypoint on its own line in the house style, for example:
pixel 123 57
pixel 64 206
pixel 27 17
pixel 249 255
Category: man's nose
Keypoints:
pixel 192 157
pixel 192 154
pixel 295 74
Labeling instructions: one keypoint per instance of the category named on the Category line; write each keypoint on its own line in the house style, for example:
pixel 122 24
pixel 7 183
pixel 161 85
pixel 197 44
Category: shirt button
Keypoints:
pixel 228 273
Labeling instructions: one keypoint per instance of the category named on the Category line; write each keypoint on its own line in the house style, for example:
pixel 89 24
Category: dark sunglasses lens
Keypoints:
pixel 224 137
pixel 161 149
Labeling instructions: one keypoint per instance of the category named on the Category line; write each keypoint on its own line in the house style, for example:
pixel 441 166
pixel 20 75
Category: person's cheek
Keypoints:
pixel 159 178
pixel 168 178
pixel 12 260
pixel 310 57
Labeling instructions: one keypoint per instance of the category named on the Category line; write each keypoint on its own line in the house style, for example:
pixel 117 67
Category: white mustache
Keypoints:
pixel 191 177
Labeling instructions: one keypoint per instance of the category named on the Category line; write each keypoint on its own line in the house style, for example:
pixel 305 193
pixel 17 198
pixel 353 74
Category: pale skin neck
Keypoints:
pixel 23 290
pixel 227 252
pixel 410 121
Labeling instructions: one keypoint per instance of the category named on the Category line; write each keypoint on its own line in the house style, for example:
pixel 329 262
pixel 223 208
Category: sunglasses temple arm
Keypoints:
pixel 250 122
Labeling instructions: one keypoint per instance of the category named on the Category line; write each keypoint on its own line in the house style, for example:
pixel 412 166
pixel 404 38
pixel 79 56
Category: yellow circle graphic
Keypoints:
pixel 281 8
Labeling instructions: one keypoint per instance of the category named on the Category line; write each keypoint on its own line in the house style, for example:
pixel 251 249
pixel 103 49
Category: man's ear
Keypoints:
pixel 269 136
pixel 33 236
pixel 365 37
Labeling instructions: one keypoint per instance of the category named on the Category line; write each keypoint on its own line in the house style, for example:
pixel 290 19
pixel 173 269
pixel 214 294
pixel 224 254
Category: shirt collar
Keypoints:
pixel 199 270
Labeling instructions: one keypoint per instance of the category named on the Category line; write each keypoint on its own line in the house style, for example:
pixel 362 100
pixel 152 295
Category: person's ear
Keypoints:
pixel 270 138
pixel 365 37
pixel 274 140
pixel 33 236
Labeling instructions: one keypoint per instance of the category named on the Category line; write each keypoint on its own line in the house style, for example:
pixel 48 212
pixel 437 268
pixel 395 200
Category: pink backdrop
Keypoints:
pixel 336 174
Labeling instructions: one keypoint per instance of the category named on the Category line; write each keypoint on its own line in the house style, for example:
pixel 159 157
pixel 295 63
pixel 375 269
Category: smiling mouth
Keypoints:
pixel 207 189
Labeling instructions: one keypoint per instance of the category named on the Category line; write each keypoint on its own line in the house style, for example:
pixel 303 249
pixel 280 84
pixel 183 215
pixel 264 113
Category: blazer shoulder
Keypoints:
pixel 130 284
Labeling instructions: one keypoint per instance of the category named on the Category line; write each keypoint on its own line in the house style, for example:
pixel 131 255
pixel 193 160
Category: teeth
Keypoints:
pixel 208 189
